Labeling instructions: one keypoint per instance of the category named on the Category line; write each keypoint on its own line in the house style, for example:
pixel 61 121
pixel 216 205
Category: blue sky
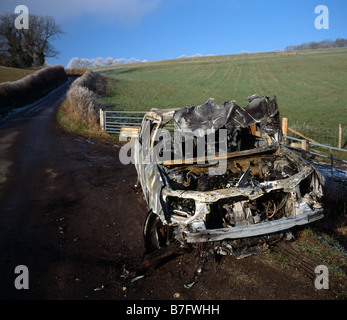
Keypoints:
pixel 166 29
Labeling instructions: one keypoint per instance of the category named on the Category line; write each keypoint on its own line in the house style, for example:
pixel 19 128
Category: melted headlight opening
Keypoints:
pixel 181 207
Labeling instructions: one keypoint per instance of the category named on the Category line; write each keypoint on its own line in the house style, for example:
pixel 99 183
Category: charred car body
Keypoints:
pixel 259 187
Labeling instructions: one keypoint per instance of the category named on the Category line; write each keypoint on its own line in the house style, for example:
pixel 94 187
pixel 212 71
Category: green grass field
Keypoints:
pixel 311 87
pixel 13 74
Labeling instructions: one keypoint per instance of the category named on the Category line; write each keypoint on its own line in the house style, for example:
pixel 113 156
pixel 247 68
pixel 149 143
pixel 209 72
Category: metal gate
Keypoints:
pixel 126 123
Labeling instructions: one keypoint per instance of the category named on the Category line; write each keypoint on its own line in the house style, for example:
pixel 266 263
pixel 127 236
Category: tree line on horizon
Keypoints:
pixel 338 43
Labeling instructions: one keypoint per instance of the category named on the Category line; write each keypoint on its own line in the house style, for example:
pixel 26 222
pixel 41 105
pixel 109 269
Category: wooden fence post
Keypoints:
pixel 332 163
pixel 304 148
pixel 340 136
pixel 101 119
pixel 285 128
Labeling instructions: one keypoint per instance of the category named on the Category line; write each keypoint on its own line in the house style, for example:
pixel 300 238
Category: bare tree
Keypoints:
pixel 11 50
pixel 27 47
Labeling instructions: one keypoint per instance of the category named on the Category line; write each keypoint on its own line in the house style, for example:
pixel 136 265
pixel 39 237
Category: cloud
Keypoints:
pixel 127 12
pixel 99 62
pixel 197 55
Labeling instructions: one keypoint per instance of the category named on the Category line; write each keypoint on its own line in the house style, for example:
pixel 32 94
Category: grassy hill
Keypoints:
pixel 311 86
pixel 13 74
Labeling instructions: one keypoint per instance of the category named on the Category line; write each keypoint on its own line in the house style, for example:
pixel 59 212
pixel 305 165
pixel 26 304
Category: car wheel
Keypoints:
pixel 156 235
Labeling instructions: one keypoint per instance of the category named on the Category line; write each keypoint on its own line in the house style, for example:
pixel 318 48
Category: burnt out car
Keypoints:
pixel 219 174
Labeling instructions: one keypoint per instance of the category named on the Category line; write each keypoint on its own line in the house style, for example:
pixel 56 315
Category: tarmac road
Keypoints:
pixel 69 213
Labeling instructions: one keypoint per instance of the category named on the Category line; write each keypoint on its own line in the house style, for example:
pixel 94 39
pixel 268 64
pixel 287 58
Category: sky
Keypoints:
pixel 154 30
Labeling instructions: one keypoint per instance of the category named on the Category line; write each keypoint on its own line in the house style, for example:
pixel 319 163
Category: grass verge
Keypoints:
pixel 73 125
pixel 78 113
pixel 327 251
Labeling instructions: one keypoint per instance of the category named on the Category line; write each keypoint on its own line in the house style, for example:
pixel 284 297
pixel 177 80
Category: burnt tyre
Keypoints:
pixel 156 235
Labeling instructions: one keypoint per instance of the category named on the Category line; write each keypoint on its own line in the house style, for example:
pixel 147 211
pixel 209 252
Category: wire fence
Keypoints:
pixel 335 137
pixel 320 143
